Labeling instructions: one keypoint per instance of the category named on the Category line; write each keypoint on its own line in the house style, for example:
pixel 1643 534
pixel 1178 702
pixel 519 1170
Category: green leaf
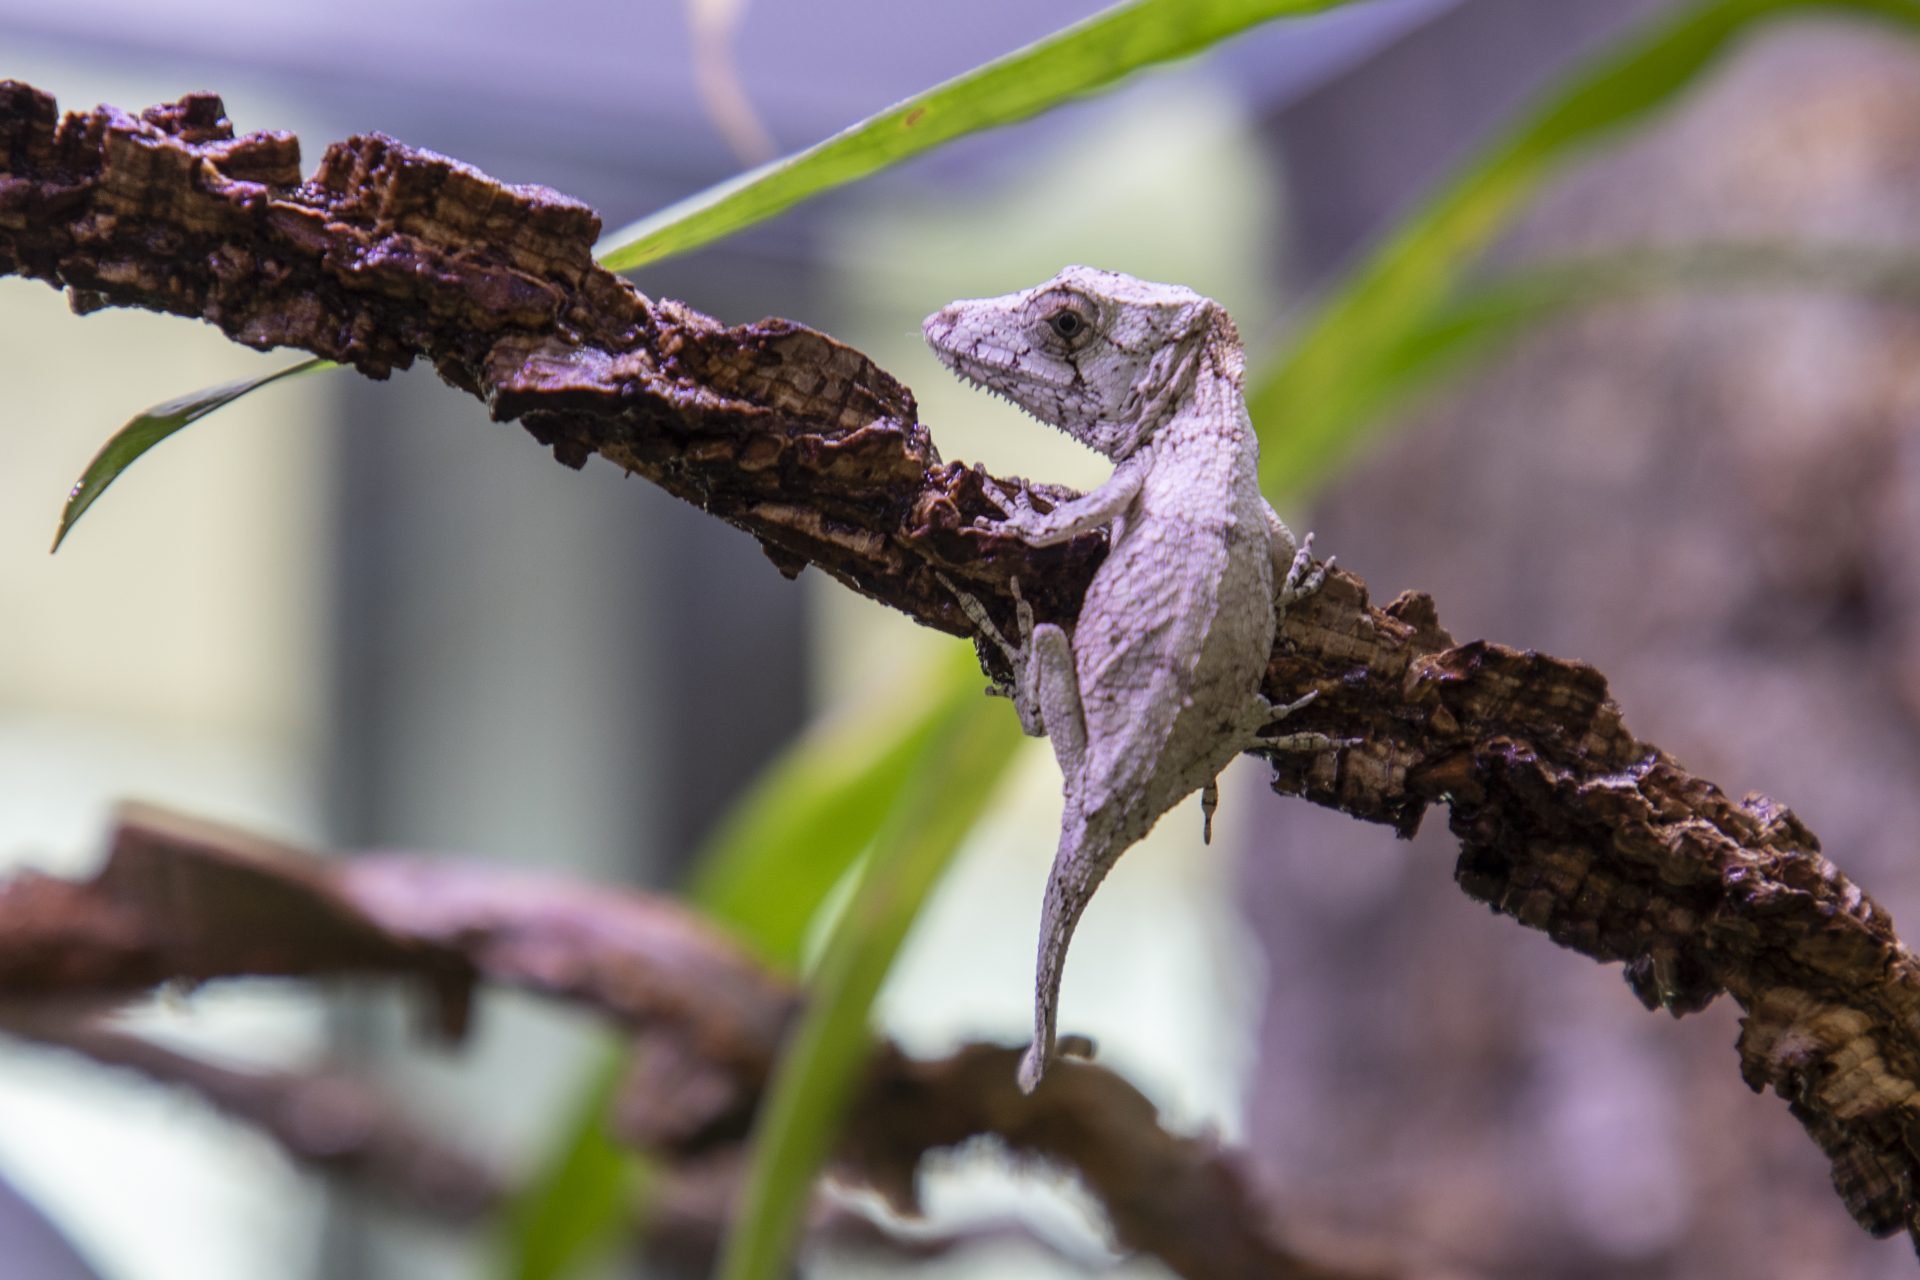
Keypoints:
pixel 1317 400
pixel 1490 313
pixel 1088 56
pixel 807 1099
pixel 778 854
pixel 765 873
pixel 570 1214
pixel 150 428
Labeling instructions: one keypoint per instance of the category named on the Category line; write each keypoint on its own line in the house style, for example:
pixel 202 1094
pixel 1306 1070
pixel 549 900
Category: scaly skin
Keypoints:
pixel 1158 687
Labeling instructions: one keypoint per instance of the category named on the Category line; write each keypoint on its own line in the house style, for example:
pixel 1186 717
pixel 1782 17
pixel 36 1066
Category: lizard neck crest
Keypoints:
pixel 1102 356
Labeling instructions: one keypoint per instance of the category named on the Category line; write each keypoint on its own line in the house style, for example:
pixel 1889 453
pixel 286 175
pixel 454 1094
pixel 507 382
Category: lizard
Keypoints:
pixel 1158 687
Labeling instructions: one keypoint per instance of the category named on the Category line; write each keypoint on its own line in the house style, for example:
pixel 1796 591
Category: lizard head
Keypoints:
pixel 1103 356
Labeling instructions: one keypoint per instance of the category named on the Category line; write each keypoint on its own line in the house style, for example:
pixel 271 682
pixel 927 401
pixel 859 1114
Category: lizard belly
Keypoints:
pixel 1162 654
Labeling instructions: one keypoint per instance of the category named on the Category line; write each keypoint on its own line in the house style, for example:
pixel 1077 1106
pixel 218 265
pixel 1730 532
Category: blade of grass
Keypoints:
pixel 1080 59
pixel 766 872
pixel 1317 399
pixel 569 1215
pixel 814 1080
pixel 148 429
pixel 772 862
pixel 1491 313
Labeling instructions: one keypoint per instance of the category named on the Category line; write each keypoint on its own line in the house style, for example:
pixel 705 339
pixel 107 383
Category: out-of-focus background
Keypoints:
pixel 358 614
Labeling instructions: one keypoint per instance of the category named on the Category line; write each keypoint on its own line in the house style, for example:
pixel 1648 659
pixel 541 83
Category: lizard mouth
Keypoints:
pixel 985 363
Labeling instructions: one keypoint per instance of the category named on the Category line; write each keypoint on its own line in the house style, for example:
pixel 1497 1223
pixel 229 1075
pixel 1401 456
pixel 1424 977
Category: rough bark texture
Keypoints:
pixel 1566 821
pixel 181 900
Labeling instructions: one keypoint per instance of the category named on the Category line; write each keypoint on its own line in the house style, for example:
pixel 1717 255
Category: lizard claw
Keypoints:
pixel 1017 514
pixel 990 490
pixel 1304 577
pixel 1261 715
pixel 1309 742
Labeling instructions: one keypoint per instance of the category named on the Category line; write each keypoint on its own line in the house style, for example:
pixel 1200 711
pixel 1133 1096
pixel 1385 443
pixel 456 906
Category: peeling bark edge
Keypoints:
pixel 1566 822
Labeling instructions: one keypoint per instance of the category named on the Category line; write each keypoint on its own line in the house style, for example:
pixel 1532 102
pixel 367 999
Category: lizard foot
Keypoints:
pixel 1010 508
pixel 1018 515
pixel 1262 715
pixel 1305 742
pixel 1304 577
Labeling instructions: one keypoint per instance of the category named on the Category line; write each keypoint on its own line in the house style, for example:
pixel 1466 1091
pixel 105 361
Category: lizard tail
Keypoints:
pixel 1079 866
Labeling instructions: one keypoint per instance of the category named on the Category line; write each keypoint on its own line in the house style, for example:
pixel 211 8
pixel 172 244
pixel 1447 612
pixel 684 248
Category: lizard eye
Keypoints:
pixel 1067 323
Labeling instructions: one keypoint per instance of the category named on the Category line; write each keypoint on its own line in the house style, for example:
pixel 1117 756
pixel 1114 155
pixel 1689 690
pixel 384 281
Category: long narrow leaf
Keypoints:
pixel 779 853
pixel 765 873
pixel 1317 399
pixel 1491 313
pixel 148 429
pixel 1083 58
pixel 815 1078
pixel 571 1212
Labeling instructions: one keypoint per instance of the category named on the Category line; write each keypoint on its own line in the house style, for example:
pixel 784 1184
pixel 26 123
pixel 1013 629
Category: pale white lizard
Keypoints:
pixel 1159 686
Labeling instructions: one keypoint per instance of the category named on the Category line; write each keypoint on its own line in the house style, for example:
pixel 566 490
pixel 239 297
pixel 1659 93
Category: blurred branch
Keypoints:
pixel 180 899
pixel 1566 821
pixel 339 1124
pixel 687 1211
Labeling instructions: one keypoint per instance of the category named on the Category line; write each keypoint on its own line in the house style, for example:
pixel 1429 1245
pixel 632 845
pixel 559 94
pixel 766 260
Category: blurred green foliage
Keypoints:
pixel 966 753
pixel 859 782
pixel 1381 333
pixel 573 1213
pixel 778 855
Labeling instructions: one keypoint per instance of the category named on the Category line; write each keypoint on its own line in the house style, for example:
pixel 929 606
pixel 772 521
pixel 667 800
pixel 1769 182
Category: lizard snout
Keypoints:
pixel 939 325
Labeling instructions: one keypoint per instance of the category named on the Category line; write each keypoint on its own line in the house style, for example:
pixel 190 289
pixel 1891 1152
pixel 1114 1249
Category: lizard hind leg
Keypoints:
pixel 1054 684
pixel 1260 715
pixel 1078 868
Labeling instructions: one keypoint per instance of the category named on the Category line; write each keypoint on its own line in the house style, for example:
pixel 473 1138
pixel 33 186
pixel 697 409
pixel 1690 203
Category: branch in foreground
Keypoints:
pixel 342 1126
pixel 347 1129
pixel 184 900
pixel 1566 821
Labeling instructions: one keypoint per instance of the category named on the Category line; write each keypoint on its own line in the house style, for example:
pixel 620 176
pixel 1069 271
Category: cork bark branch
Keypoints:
pixel 1566 821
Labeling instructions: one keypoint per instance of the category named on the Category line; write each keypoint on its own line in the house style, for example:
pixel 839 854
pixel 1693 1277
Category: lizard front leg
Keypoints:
pixel 1070 519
